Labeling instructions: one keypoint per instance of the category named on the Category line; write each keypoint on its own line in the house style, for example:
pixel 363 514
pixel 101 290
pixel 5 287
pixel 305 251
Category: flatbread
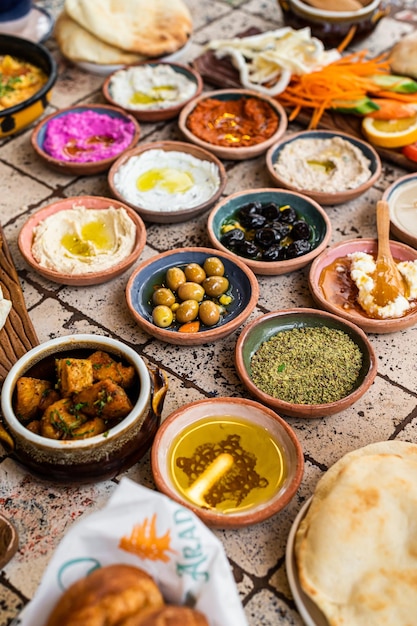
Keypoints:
pixel 79 45
pixel 356 548
pixel 403 57
pixel 150 27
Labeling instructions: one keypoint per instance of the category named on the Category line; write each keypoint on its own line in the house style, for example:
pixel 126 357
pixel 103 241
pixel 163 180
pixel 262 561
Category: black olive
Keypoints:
pixel 232 237
pixel 298 248
pixel 274 253
pixel 288 215
pixel 253 221
pixel 248 209
pixel 300 230
pixel 248 249
pixel 270 211
pixel 281 229
pixel 266 237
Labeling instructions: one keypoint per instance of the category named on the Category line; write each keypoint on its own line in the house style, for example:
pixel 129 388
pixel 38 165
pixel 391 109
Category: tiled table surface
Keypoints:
pixel 42 511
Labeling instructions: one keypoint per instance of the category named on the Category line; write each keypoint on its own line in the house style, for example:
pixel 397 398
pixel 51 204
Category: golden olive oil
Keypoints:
pixel 226 464
pixel 170 179
pixel 94 234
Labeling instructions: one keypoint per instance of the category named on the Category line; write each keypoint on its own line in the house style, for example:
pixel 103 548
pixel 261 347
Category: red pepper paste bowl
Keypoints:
pixel 84 140
pixel 214 121
pixel 306 373
pixel 232 461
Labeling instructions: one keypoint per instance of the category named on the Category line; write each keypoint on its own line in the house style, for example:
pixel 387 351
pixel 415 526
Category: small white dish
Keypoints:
pixel 36 27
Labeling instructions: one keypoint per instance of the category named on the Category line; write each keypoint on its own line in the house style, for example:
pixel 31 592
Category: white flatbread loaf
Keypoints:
pixel 5 308
pixel 149 27
pixel 356 548
pixel 403 57
pixel 78 44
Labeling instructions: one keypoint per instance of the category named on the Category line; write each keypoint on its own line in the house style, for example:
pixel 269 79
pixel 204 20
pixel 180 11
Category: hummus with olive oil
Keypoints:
pixel 325 165
pixel 81 240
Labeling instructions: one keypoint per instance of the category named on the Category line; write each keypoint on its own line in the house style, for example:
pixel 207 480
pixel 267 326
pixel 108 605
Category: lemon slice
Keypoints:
pixel 391 133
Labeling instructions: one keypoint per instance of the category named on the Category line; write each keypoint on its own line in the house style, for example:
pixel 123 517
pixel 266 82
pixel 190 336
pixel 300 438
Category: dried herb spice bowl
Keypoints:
pixel 273 231
pixel 345 364
pixel 232 461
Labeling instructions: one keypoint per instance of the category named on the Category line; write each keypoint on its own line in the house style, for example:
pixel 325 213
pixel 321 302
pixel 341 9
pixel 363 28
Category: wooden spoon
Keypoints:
pixel 389 284
pixel 335 5
pixel 9 541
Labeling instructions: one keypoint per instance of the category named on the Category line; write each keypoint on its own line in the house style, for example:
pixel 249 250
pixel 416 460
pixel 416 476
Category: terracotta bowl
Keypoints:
pixel 237 417
pixel 26 235
pixel 158 112
pixel 265 327
pixel 231 152
pixel 322 197
pixel 339 292
pixel 225 212
pixel 160 210
pixel 333 26
pixel 97 457
pixel 18 117
pixel 402 205
pixel 243 288
pixel 88 168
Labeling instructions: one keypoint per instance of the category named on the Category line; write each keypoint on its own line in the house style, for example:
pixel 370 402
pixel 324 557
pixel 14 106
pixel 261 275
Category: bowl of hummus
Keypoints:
pixel 85 139
pixel 330 167
pixel 167 181
pixel 152 91
pixel 341 280
pixel 86 240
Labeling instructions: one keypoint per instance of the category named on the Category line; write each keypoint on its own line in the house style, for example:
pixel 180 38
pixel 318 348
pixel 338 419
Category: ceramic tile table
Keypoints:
pixel 42 511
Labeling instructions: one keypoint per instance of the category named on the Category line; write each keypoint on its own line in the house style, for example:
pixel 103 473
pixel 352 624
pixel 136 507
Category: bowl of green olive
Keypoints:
pixel 191 296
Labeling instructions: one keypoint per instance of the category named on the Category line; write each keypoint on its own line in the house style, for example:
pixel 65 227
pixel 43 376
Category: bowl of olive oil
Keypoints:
pixel 232 461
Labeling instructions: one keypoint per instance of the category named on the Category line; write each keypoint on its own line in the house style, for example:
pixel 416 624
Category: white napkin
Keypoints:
pixel 184 557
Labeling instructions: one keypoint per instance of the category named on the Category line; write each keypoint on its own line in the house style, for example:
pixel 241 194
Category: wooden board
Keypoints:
pixel 221 73
pixel 18 334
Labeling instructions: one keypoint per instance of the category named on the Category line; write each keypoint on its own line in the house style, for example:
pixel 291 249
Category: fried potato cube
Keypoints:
pixel 104 399
pixel 104 366
pixel 73 375
pixel 90 428
pixel 60 419
pixel 29 395
pixel 34 427
pixel 48 397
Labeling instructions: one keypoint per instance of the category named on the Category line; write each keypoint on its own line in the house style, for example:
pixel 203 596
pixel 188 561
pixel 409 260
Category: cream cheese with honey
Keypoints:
pixel 81 240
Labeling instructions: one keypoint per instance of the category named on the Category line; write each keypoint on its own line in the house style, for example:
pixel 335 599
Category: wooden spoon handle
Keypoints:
pixel 382 224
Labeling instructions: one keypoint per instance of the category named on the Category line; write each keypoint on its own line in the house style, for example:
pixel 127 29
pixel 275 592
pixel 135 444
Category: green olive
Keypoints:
pixel 195 273
pixel 213 266
pixel 163 295
pixel 191 291
pixel 187 311
pixel 162 316
pixel 174 278
pixel 215 285
pixel 209 313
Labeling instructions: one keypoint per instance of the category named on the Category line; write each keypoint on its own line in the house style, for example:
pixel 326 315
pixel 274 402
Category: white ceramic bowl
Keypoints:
pixel 401 196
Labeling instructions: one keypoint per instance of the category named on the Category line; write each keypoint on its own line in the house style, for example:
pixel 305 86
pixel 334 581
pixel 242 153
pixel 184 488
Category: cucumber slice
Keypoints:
pixel 392 82
pixel 356 107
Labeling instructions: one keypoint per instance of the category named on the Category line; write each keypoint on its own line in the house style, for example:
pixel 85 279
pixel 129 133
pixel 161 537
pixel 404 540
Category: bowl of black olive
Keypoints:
pixel 273 231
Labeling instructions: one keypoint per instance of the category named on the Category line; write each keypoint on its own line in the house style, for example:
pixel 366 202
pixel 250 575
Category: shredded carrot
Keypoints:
pixel 346 41
pixel 190 327
pixel 348 78
pixel 395 95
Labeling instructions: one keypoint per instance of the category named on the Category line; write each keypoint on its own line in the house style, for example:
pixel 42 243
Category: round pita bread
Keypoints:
pixel 77 44
pixel 356 548
pixel 152 28
pixel 403 57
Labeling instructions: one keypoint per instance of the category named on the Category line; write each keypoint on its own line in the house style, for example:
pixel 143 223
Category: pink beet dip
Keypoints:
pixel 87 136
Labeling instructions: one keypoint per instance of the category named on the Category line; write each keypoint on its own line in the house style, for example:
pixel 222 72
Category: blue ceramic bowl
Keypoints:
pixel 73 167
pixel 401 197
pixel 324 197
pixel 140 287
pixel 306 209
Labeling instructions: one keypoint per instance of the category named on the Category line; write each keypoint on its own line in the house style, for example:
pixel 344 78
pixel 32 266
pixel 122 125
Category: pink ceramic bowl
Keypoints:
pixel 260 502
pixel 25 241
pixel 335 298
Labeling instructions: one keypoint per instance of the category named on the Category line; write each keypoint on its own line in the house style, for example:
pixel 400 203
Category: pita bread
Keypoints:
pixel 356 548
pixel 77 44
pixel 5 308
pixel 150 27
pixel 403 57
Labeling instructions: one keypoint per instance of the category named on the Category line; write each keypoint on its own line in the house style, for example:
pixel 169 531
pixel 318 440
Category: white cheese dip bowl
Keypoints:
pixel 402 200
pixel 167 181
